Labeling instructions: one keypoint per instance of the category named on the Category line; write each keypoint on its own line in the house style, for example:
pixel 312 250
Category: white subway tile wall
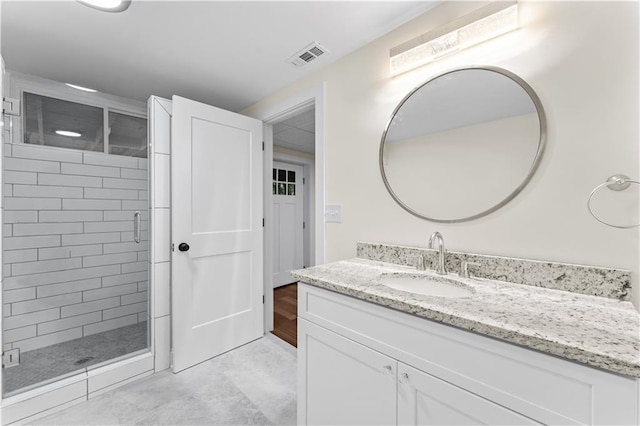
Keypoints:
pixel 71 266
pixel 159 256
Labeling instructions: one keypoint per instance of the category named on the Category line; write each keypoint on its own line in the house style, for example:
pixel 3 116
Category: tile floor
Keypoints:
pixel 57 360
pixel 253 384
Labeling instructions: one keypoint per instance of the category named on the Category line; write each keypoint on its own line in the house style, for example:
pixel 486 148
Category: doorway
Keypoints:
pixel 311 98
pixel 292 195
pixel 294 147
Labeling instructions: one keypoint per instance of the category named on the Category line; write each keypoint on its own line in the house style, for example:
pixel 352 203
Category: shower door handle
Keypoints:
pixel 136 227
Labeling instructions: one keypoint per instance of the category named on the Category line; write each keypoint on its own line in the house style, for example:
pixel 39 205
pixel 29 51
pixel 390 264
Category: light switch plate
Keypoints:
pixel 333 213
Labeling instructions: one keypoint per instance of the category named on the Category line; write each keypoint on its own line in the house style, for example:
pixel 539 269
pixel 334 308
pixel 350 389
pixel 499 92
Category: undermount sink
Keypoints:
pixel 428 285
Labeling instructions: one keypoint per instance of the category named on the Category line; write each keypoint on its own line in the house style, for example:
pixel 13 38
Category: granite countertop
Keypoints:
pixel 596 331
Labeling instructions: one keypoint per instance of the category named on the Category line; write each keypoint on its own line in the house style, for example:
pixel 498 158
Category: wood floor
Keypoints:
pixel 285 313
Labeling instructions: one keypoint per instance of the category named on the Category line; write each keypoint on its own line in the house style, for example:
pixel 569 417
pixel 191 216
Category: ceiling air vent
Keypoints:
pixel 308 54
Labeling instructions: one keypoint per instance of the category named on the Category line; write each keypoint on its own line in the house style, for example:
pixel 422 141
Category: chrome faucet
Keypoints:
pixel 441 268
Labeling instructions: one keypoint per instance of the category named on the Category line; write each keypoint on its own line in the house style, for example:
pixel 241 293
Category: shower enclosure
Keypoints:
pixel 75 235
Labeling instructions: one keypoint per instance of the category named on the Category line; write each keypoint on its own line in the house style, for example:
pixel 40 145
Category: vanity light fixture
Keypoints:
pixel 107 5
pixel 68 133
pixel 84 89
pixel 490 21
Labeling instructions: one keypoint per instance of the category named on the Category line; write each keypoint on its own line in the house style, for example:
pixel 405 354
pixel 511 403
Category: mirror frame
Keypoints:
pixel 534 166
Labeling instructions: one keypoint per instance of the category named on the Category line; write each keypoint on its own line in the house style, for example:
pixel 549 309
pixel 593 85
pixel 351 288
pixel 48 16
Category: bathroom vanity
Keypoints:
pixel 503 353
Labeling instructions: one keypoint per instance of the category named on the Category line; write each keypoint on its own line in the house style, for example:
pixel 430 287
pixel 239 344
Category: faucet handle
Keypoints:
pixel 464 268
pixel 421 264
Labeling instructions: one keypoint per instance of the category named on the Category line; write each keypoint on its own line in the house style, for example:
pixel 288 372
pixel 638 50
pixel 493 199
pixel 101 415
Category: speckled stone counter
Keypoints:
pixel 592 280
pixel 597 331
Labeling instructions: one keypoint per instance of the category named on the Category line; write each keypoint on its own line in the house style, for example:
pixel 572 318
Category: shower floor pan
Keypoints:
pixel 44 364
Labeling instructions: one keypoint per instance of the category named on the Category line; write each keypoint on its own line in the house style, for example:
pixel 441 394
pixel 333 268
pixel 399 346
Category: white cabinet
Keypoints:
pixel 426 400
pixel 346 383
pixel 361 363
pixel 350 384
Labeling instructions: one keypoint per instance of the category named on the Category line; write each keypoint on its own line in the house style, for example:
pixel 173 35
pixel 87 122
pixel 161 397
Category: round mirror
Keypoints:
pixel 463 144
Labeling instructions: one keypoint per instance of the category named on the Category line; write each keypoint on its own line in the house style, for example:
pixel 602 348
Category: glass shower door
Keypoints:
pixel 75 241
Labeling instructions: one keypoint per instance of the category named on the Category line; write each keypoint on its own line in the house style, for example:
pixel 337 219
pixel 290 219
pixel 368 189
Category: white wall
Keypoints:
pixel 296 153
pixel 582 60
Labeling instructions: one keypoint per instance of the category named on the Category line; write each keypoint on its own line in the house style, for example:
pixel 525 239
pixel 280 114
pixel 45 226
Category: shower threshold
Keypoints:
pixel 45 364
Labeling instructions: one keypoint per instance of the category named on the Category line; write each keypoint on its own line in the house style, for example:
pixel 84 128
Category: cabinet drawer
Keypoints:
pixel 543 387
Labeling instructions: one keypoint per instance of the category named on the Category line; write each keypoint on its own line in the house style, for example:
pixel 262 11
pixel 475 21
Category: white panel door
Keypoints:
pixel 426 400
pixel 288 251
pixel 216 226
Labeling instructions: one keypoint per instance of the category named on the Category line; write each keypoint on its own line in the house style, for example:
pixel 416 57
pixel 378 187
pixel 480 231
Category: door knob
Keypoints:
pixel 183 247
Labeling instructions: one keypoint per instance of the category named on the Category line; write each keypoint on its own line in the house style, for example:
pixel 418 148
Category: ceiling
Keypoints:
pixel 229 54
pixel 297 132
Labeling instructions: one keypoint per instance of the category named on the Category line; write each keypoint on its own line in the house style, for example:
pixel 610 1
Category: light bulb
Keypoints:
pixel 107 5
pixel 84 89
pixel 68 133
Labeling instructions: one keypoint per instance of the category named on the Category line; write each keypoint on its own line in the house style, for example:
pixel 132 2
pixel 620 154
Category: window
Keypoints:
pixel 54 122
pixel 65 124
pixel 127 135
pixel 284 182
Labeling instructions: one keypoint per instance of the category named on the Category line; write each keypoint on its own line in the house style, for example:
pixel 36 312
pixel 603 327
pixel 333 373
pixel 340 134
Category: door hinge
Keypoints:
pixel 11 358
pixel 263 145
pixel 263 222
pixel 11 106
pixel 263 299
pixel 304 225
pixel 304 180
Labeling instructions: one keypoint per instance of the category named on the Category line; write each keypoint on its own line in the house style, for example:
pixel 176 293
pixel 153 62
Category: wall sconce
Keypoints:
pixel 490 21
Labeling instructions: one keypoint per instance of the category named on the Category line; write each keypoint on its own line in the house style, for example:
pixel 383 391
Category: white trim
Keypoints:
pixel 267 212
pixel 314 95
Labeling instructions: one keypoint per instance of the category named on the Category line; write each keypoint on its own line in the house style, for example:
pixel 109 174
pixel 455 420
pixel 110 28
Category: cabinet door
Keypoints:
pixel 342 382
pixel 425 400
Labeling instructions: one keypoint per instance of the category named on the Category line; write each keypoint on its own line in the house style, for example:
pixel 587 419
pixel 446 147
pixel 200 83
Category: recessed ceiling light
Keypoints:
pixel 107 5
pixel 84 89
pixel 68 133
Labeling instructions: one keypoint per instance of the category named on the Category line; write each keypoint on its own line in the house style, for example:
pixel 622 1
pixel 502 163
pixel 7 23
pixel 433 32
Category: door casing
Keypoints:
pixel 314 95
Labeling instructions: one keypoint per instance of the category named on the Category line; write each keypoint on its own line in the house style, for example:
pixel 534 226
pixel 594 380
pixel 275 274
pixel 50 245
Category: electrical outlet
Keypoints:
pixel 333 213
pixel 11 358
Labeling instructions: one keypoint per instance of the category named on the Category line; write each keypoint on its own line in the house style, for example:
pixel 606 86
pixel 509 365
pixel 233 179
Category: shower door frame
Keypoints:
pixel 72 389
